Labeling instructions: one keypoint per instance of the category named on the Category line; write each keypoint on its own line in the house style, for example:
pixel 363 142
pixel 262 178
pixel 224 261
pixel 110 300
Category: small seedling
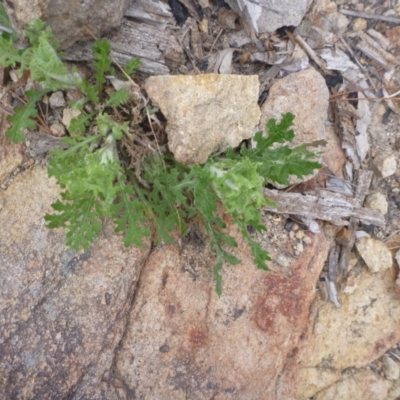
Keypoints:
pixel 112 168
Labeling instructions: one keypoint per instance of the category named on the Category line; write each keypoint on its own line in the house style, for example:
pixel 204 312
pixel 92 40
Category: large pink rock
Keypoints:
pixel 185 342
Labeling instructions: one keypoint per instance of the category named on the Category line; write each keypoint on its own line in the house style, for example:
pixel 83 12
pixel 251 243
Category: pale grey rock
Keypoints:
pixel 57 100
pixel 263 16
pixel 205 113
pixel 377 201
pixel 62 313
pixel 69 20
pixel 375 254
pixel 57 129
pixel 390 368
pixel 385 165
pixel 306 96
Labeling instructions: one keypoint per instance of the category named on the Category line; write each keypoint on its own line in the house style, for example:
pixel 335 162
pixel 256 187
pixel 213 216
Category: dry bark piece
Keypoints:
pixel 365 15
pixel 196 42
pixel 346 117
pixel 327 208
pixel 151 12
pixel 373 50
pixel 154 42
pixel 221 61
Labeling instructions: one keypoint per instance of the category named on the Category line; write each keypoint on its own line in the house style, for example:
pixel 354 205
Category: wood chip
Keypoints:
pixel 346 117
pixel 374 51
pixel 327 206
pixel 196 42
pixel 377 17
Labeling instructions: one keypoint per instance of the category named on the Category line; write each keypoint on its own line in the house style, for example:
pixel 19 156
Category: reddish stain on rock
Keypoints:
pixel 283 298
pixel 197 337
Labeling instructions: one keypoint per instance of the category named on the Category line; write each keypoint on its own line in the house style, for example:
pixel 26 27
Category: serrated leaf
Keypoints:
pixel 170 205
pixel 218 278
pixel 81 216
pixel 106 125
pixel 116 98
pixel 260 255
pixel 89 192
pixel 90 91
pixel 37 29
pixel 279 133
pixel 10 55
pixel 79 124
pixel 129 215
pixel 102 62
pixel 132 66
pixel 284 161
pixel 24 116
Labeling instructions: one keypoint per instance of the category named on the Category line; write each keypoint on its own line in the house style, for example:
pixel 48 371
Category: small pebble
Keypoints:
pixel 359 24
pixel 164 348
pixel 300 247
pixel 385 165
pixel 57 129
pixel 289 225
pixel 57 100
pixel 300 234
pixel 377 202
pixel 375 254
pixel 203 25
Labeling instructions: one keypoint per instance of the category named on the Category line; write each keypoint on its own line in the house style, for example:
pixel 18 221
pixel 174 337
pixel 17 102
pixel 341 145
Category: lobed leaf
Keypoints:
pixel 24 116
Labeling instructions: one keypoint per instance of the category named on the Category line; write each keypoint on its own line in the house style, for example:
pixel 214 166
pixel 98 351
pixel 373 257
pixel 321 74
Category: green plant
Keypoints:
pixel 112 169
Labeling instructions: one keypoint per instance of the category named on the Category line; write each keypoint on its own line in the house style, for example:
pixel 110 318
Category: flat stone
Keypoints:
pixel 364 328
pixel 205 113
pixel 375 254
